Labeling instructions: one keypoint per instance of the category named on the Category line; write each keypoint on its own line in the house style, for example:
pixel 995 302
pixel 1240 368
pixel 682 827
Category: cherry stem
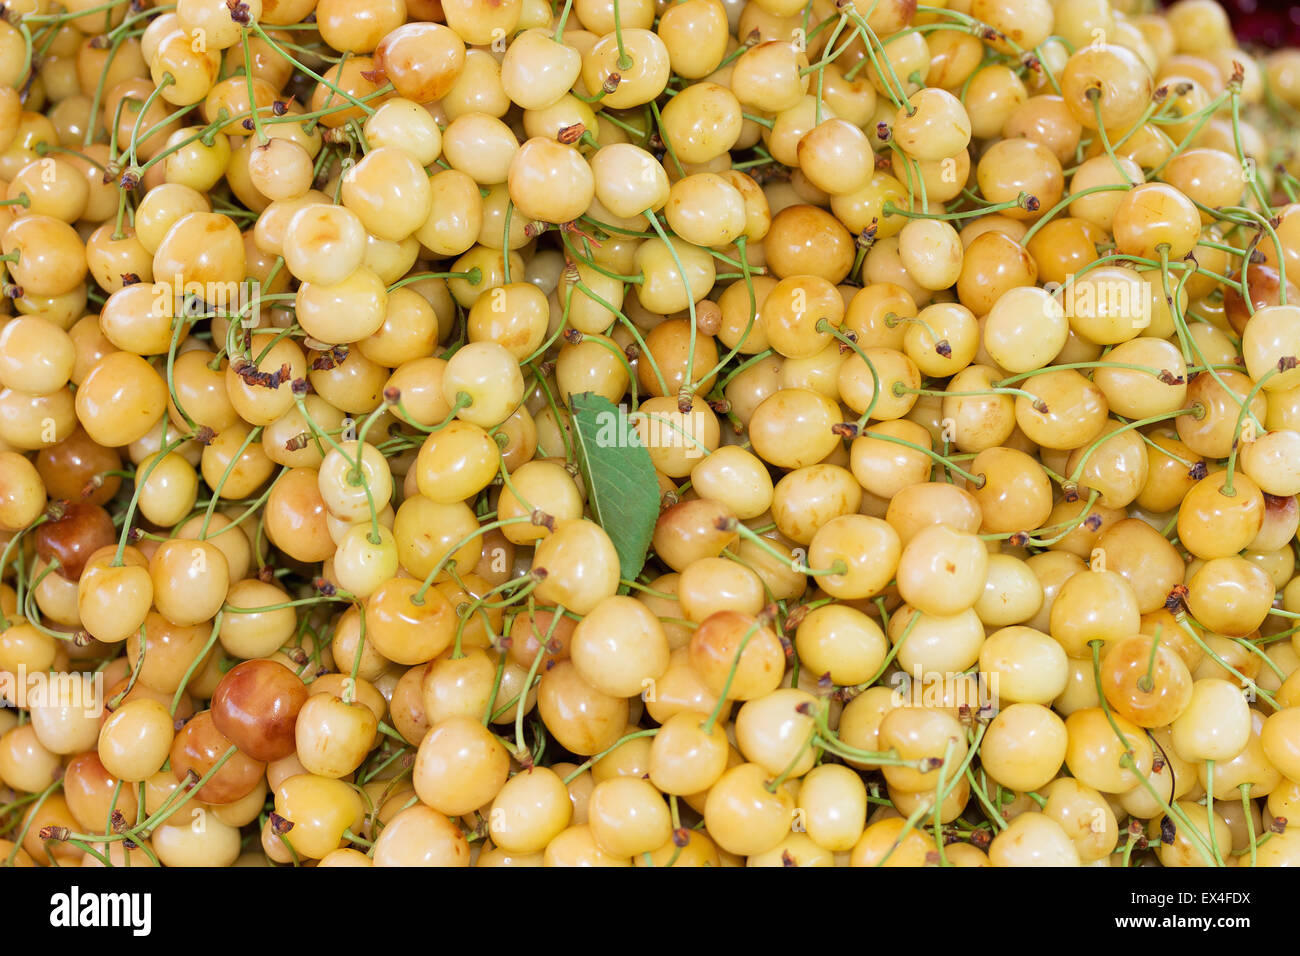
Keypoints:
pixel 1191 136
pixel 355 474
pixel 1129 762
pixel 253 435
pixel 116 700
pixel 668 423
pixel 610 346
pixel 559 329
pixel 1209 810
pixel 915 184
pixel 505 239
pixel 500 674
pixel 296 602
pixel 994 814
pixel 798 567
pixel 749 363
pixel 893 651
pixel 828 57
pixel 1188 341
pixel 1247 165
pixel 1023 376
pixel 418 597
pixel 65 15
pixel 353 838
pixel 360 104
pixel 820 66
pixel 637 585
pixel 825 326
pixel 21 835
pixel 560 415
pixel 1196 411
pixel 592 264
pixel 943 791
pixel 181 795
pixel 26 70
pixel 194 664
pixel 624 61
pixel 891 85
pixel 558 36
pixel 1094 94
pixel 9 547
pixel 884 758
pixel 1227 489
pixel 1047 217
pixel 463 400
pixel 247 513
pixel 474 276
pixel 528 682
pixel 248 78
pixel 350 688
pixel 480 605
pixel 166 81
pixel 900 389
pixel 686 284
pixel 975 480
pixel 1246 682
pixel 1146 683
pixel 889 209
pixel 921 808
pixel 1267 226
pixel 1063 529
pixel 31 610
pixel 1250 820
pixel 506 479
pixel 163 451
pixel 587 764
pixel 668 143
pixel 113 133
pixel 747 277
pixel 307 118
pixel 374 416
pixel 723 701
pixel 764 159
pixel 773 785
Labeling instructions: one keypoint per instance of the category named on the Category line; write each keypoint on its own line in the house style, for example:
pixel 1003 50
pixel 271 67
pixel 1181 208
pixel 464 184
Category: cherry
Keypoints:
pixel 255 706
pixel 199 747
pixel 72 535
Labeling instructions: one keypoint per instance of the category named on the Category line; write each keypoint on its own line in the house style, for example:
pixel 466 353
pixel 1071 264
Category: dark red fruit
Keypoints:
pixel 72 537
pixel 1265 284
pixel 198 746
pixel 256 706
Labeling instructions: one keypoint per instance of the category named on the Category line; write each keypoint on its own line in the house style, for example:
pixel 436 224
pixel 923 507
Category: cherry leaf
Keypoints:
pixel 622 488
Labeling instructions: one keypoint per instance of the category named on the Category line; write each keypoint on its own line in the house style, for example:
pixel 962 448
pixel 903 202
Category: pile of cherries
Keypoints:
pixel 962 338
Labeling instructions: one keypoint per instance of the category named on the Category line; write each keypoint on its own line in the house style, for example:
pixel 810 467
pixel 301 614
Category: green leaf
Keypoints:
pixel 621 484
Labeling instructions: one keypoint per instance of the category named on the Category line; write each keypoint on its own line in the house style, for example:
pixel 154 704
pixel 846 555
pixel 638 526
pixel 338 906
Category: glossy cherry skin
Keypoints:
pixel 256 707
pixel 82 530
pixel 1265 284
pixel 69 466
pixel 198 747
